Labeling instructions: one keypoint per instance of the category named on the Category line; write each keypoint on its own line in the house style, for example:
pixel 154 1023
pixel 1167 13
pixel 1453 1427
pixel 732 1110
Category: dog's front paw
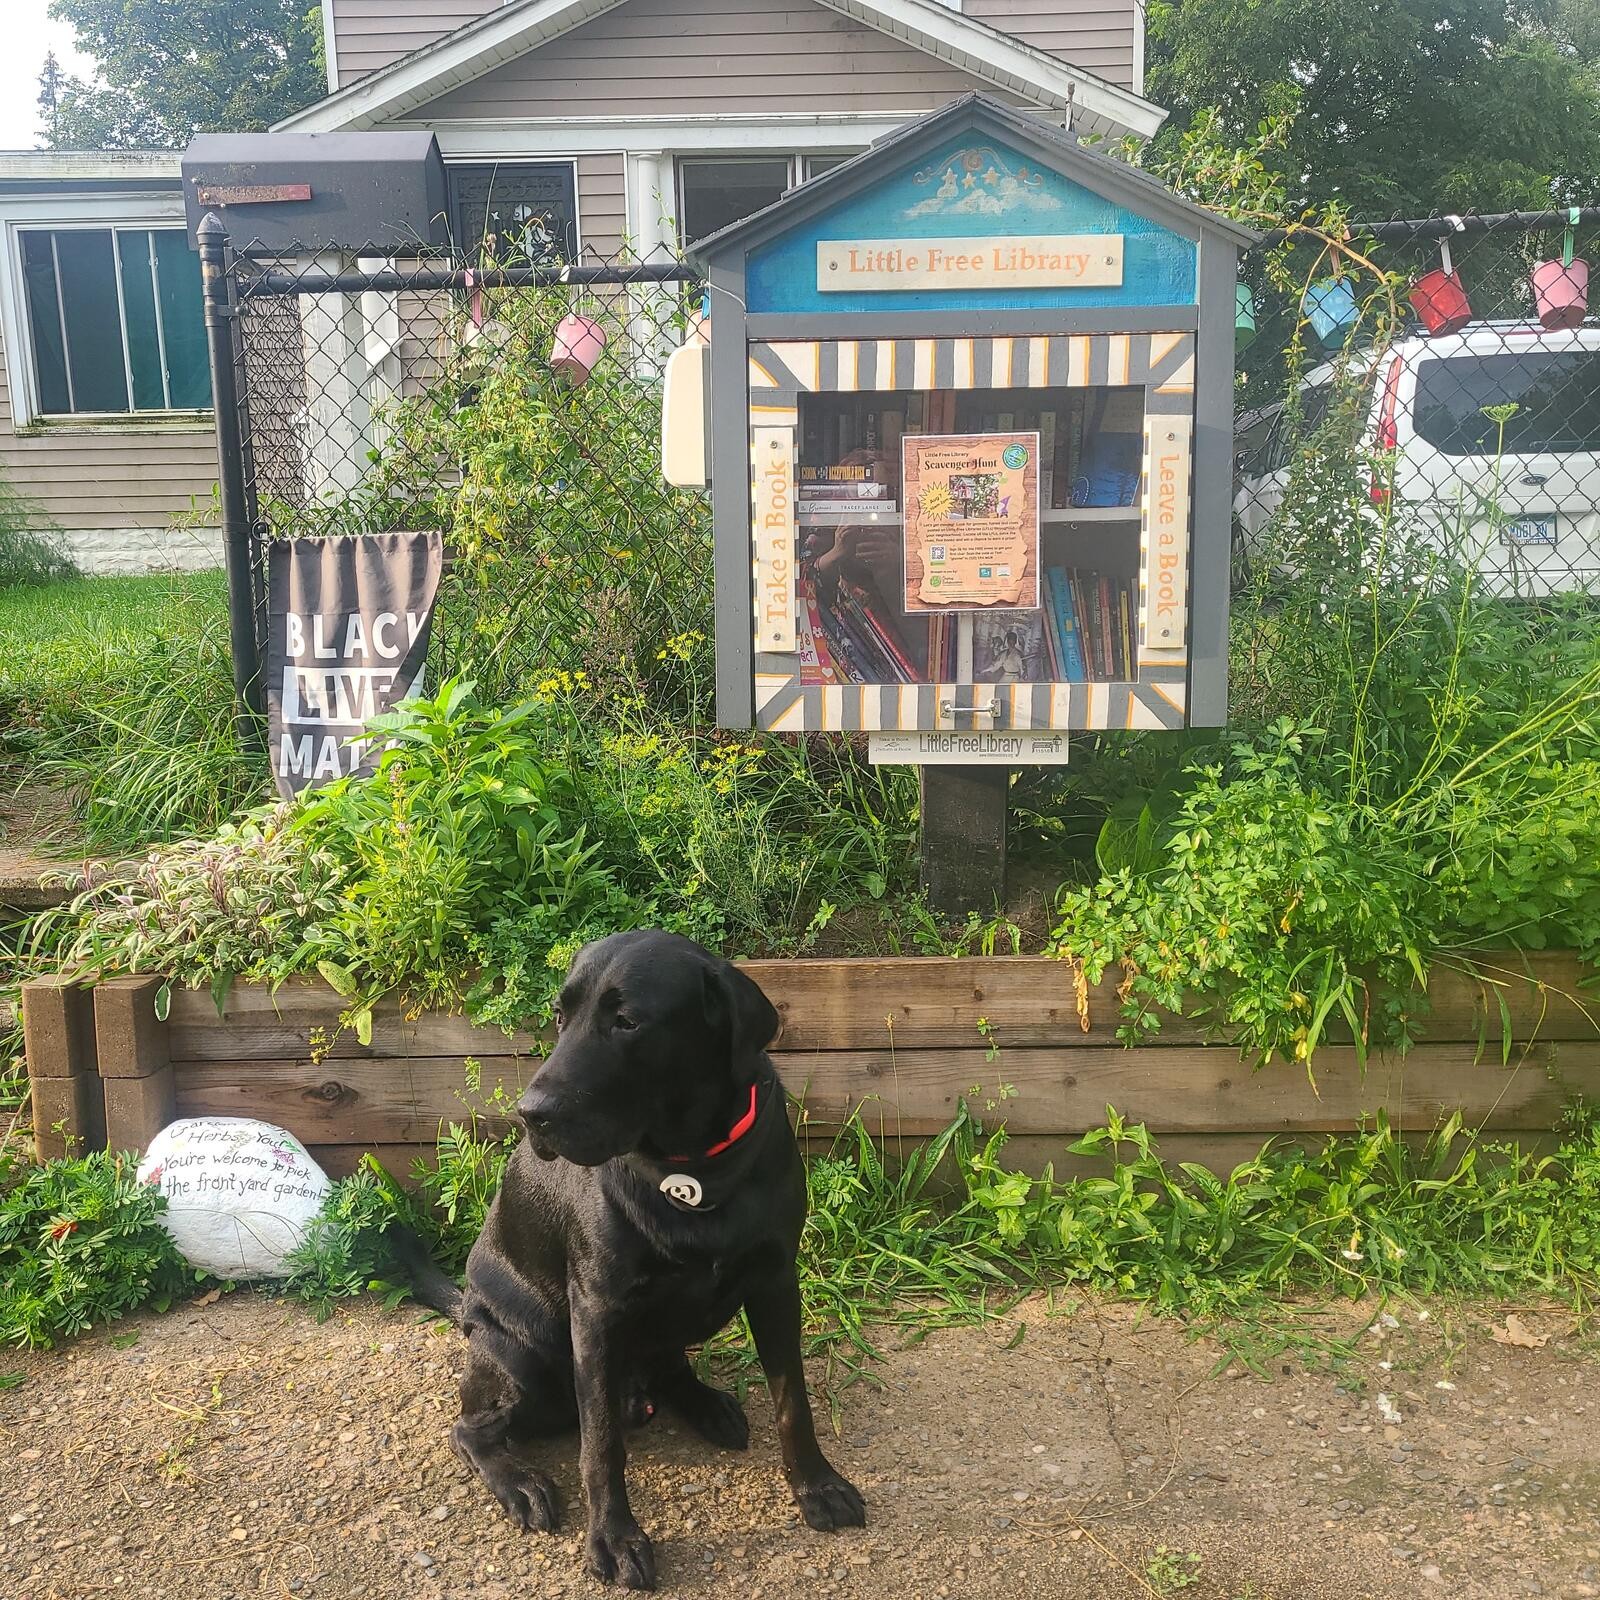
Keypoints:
pixel 528 1497
pixel 622 1554
pixel 829 1503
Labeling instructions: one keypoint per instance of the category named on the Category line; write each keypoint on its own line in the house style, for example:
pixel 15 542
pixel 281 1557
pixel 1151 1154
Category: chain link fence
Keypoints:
pixel 1434 382
pixel 517 409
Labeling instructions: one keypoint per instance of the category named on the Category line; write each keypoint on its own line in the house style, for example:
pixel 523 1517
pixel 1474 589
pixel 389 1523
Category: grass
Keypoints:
pixel 950 1235
pixel 118 693
pixel 65 638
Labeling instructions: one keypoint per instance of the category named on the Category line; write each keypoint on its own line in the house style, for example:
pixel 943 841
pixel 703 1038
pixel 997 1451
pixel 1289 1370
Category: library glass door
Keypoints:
pixel 987 533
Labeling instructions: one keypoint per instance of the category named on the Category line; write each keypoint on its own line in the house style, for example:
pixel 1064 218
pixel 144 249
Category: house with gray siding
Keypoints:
pixel 618 124
pixel 105 393
pixel 650 122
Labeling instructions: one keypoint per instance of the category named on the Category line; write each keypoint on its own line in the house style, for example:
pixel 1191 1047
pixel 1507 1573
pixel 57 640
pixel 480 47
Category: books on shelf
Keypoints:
pixel 1092 619
pixel 851 638
pixel 816 660
pixel 846 510
pixel 1090 456
pixel 846 490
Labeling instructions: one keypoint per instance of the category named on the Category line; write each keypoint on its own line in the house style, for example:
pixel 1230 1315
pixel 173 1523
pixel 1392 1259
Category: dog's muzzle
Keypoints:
pixel 537 1112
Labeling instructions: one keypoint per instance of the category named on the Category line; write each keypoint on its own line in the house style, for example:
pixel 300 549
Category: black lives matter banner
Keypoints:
pixel 347 638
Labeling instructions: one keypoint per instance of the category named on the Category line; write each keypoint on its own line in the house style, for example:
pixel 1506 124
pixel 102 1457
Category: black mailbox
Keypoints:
pixel 320 191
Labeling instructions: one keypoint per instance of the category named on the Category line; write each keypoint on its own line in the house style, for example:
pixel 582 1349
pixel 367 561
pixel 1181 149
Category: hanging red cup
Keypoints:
pixel 1439 297
pixel 1561 288
pixel 579 343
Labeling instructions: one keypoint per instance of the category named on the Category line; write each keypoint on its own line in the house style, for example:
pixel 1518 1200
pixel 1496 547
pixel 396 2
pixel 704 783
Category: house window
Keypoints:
pixel 712 192
pixel 116 322
pixel 817 165
pixel 517 213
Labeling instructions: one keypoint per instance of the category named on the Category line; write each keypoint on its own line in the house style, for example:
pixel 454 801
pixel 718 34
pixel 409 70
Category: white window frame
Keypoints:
pixel 797 160
pixel 61 213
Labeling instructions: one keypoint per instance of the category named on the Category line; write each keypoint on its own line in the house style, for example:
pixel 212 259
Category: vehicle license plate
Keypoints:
pixel 1529 530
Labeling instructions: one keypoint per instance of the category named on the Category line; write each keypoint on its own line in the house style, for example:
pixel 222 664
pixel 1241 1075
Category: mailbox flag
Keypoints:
pixel 347 639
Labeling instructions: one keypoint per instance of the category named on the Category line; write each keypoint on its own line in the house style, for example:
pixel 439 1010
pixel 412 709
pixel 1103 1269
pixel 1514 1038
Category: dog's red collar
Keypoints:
pixel 735 1133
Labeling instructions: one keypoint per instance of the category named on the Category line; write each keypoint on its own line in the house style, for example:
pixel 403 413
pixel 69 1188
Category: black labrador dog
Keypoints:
pixel 658 1190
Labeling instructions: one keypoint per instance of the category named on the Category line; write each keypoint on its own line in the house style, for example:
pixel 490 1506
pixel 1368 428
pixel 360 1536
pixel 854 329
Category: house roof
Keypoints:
pixel 1116 180
pixel 513 30
pixel 72 166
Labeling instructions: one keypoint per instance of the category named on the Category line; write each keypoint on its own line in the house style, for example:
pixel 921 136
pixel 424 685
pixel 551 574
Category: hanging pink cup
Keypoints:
pixel 1440 299
pixel 579 343
pixel 1561 292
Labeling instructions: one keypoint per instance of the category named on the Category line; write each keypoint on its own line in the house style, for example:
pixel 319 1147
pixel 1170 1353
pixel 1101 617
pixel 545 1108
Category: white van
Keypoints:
pixel 1530 520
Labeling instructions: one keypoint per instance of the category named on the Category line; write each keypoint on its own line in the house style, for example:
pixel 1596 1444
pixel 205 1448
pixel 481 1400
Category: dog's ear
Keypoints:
pixel 736 1006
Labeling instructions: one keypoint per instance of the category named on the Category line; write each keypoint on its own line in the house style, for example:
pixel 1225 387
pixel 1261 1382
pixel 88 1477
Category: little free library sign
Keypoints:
pixel 1033 261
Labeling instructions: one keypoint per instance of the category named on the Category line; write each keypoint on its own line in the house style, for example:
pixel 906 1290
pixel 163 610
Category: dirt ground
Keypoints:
pixel 237 1448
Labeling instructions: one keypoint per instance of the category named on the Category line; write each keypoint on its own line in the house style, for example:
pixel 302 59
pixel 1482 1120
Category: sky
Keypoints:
pixel 29 33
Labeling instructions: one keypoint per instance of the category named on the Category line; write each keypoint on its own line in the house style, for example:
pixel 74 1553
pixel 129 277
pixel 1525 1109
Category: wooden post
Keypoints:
pixel 135 1062
pixel 63 1079
pixel 963 838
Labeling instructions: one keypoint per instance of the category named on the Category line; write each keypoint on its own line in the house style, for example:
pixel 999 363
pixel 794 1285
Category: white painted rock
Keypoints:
pixel 240 1193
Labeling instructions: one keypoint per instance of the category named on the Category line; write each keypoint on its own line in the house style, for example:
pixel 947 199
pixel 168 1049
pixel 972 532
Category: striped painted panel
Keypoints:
pixel 785 705
pixel 1164 361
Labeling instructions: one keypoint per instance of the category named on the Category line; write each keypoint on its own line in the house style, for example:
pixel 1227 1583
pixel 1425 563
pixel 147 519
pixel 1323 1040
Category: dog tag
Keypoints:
pixel 681 1187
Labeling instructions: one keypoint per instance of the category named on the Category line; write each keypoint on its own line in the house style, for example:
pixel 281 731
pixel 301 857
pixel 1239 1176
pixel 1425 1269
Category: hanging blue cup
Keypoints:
pixel 1332 309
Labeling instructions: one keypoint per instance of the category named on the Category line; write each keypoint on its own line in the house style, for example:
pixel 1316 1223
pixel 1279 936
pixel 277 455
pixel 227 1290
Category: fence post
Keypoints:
pixel 63 1076
pixel 238 534
pixel 135 1061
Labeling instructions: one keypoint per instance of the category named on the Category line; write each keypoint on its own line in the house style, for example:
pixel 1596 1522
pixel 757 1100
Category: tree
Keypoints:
pixel 168 69
pixel 51 80
pixel 1400 105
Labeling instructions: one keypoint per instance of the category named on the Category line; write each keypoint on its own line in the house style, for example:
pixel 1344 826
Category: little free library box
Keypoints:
pixel 969 440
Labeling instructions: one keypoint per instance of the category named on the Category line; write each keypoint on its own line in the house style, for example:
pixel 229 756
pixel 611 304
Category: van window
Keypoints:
pixel 1557 395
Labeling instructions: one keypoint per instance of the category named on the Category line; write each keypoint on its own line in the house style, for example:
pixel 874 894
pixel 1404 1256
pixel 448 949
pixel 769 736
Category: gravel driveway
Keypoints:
pixel 237 1448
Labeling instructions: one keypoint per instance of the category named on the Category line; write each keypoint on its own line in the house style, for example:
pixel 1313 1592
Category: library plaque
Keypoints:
pixel 1033 261
pixel 1002 747
pixel 971 521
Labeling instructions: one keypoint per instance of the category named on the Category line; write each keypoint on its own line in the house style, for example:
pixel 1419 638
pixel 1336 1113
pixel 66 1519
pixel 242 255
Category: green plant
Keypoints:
pixel 118 692
pixel 735 838
pixel 344 1251
pixel 202 913
pixel 572 552
pixel 81 1243
pixel 28 555
pixel 1260 912
pixel 460 1183
pixel 461 828
pixel 1170 1571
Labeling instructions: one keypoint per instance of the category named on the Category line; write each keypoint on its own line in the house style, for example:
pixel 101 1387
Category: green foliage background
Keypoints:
pixel 1403 107
pixel 169 69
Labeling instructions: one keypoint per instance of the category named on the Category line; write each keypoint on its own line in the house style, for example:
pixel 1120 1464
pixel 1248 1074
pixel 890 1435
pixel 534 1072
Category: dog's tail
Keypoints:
pixel 429 1282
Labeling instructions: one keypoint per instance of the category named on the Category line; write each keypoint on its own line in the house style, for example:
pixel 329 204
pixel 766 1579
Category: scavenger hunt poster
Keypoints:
pixel 971 521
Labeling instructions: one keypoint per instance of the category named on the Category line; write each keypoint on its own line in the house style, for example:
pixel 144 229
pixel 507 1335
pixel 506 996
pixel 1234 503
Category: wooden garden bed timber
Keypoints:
pixel 902 1041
